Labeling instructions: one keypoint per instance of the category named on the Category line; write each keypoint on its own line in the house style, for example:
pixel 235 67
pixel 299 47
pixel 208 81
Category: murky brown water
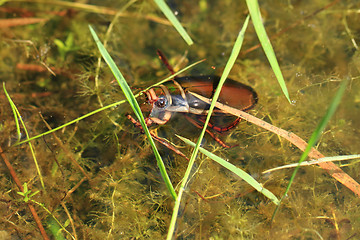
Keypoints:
pixel 125 196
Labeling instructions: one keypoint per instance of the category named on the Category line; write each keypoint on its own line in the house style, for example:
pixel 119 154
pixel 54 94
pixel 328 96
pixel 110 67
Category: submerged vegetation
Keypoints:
pixel 97 177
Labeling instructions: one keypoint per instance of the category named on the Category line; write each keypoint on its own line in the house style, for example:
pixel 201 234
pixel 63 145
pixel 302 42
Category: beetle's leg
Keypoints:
pixel 137 124
pixel 224 129
pixel 165 61
pixel 182 92
pixel 167 93
pixel 172 71
pixel 221 129
pixel 158 121
pixel 151 95
pixel 168 144
pixel 209 132
pixel 163 141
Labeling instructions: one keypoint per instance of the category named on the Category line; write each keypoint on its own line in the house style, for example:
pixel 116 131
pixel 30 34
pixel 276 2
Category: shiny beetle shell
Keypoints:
pixel 233 93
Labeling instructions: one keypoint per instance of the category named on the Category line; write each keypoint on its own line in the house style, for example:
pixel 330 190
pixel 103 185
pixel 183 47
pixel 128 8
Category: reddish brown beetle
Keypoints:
pixel 175 97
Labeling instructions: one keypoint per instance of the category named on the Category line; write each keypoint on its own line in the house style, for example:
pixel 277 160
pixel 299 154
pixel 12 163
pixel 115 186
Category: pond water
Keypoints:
pixel 101 172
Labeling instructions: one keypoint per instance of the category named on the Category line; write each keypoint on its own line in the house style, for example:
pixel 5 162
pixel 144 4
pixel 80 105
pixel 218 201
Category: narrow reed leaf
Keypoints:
pixel 12 105
pixel 255 14
pixel 135 106
pixel 242 174
pixel 229 64
pixel 17 117
pixel 172 18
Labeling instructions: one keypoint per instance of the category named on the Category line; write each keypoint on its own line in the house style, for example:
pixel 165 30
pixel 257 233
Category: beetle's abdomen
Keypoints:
pixel 233 93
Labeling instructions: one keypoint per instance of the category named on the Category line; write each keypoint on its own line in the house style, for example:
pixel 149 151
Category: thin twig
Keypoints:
pixel 70 219
pixel 330 167
pixel 74 188
pixel 99 9
pixel 18 183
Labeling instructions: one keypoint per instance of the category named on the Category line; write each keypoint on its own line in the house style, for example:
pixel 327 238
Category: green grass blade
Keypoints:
pixel 71 122
pixel 135 106
pixel 17 117
pixel 171 17
pixel 316 161
pixel 316 134
pixel 13 107
pixel 105 107
pixel 234 54
pixel 242 174
pixel 255 14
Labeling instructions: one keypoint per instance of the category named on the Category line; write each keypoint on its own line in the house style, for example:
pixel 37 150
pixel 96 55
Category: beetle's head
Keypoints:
pixel 164 105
